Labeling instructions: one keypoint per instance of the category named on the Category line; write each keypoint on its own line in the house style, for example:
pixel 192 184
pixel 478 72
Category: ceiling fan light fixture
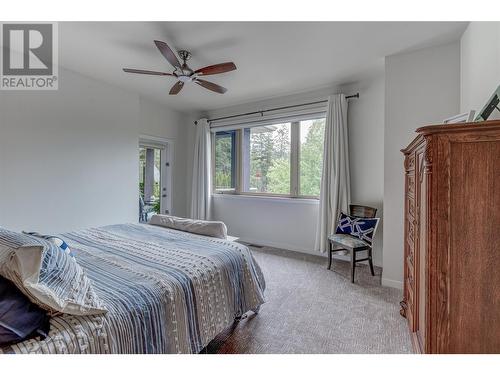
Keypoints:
pixel 184 78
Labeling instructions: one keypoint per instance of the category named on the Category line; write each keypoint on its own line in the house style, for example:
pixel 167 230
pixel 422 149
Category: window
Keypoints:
pixel 311 156
pixel 266 159
pixel 225 161
pixel 283 159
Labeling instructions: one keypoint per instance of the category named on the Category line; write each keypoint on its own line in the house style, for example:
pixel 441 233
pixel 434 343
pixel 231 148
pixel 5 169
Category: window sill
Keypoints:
pixel 267 198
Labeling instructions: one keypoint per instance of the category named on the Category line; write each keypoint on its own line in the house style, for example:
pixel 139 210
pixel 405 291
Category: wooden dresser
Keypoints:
pixel 452 238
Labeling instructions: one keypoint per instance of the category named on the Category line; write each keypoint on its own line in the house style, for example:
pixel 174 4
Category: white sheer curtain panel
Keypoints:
pixel 335 178
pixel 201 188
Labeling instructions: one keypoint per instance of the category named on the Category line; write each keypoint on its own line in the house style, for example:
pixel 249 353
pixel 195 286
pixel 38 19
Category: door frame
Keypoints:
pixel 167 163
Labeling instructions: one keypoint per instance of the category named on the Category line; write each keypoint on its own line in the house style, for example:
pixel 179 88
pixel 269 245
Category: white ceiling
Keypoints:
pixel 272 58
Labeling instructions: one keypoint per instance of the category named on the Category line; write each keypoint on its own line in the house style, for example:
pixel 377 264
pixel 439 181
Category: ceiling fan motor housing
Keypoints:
pixel 184 74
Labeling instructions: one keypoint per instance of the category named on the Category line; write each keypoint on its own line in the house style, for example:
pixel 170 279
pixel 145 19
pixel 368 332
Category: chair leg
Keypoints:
pixel 370 262
pixel 329 255
pixel 353 264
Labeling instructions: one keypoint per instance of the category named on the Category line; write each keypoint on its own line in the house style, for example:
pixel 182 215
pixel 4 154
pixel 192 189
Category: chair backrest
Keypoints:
pixel 362 211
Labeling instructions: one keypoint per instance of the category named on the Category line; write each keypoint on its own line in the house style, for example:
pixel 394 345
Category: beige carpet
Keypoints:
pixel 310 309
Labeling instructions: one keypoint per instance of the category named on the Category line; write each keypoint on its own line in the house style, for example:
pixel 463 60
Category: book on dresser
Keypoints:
pixel 452 238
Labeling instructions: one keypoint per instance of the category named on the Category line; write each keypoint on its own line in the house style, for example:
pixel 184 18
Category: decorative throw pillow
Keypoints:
pixel 59 242
pixel 360 227
pixel 20 319
pixel 203 227
pixel 46 275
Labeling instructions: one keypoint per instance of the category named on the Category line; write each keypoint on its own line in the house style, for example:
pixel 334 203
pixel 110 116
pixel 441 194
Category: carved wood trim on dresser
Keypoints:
pixel 451 294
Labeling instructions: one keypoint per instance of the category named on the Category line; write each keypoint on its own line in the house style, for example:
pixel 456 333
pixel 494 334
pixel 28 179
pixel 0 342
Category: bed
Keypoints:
pixel 166 291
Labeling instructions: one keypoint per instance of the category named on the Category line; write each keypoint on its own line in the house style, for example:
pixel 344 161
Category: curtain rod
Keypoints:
pixel 355 96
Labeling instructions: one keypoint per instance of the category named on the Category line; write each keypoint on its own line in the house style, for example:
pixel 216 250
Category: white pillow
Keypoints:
pixel 206 228
pixel 46 275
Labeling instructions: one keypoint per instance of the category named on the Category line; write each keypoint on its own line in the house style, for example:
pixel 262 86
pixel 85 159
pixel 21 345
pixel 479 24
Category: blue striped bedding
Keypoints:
pixel 166 291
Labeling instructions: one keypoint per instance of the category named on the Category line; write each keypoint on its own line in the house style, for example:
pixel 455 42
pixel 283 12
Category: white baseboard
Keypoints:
pixel 287 246
pixel 392 283
pixel 281 245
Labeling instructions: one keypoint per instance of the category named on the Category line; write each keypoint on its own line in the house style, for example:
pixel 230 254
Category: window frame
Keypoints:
pixel 234 169
pixel 294 161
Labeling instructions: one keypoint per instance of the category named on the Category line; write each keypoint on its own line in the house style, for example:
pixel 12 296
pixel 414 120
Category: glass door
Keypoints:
pixel 153 194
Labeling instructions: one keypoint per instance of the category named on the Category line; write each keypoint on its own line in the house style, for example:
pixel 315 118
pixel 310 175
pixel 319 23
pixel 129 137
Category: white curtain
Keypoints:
pixel 335 179
pixel 200 193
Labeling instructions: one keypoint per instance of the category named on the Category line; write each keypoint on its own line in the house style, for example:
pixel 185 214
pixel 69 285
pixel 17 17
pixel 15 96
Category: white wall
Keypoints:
pixel 69 158
pixel 422 88
pixel 480 65
pixel 291 224
pixel 366 150
pixel 278 222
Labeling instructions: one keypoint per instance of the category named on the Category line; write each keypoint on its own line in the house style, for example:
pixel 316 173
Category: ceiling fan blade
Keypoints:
pixel 176 88
pixel 168 53
pixel 216 69
pixel 140 71
pixel 211 86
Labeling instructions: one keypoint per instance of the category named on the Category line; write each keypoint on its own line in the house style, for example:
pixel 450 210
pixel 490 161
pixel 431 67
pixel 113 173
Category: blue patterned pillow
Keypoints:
pixel 360 227
pixel 59 242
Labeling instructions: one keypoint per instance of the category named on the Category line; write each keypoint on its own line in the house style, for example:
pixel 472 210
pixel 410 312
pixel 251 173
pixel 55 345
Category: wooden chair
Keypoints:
pixel 145 210
pixel 352 243
pixel 362 211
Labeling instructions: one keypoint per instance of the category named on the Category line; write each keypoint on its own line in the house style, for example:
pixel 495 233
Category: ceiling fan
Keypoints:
pixel 183 73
